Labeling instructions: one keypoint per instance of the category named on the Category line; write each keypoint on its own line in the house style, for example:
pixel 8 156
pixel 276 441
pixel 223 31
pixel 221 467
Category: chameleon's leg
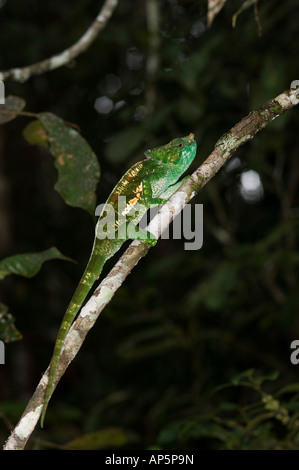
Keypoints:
pixel 147 195
pixel 172 189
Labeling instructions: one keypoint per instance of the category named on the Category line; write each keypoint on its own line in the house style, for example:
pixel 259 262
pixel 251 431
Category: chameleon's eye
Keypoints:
pixel 180 145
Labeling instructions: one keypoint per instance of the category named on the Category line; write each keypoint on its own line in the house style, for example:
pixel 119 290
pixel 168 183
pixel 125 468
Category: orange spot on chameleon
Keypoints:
pixel 61 160
pixel 133 201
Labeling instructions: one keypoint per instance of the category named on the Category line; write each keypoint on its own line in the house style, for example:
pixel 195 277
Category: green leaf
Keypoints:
pixel 111 437
pixel 151 341
pixel 246 4
pixel 257 420
pixel 171 432
pixel 247 374
pixel 8 331
pixel 124 144
pixel 36 134
pixel 263 378
pixel 215 291
pixel 14 104
pixel 291 388
pixel 28 264
pixel 77 165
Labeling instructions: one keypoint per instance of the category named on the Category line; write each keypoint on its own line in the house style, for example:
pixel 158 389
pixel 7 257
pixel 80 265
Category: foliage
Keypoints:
pixel 194 350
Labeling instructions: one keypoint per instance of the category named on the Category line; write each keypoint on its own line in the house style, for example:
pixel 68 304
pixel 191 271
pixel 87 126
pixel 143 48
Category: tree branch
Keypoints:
pixel 66 56
pixel 245 130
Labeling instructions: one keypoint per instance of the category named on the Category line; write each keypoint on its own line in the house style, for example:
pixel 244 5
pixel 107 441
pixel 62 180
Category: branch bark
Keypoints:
pixel 66 56
pixel 245 130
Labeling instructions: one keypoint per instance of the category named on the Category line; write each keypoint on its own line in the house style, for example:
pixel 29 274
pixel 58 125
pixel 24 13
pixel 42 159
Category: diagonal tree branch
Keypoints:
pixel 66 56
pixel 245 130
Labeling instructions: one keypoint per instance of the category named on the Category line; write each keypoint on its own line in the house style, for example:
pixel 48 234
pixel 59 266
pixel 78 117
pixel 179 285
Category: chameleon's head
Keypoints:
pixel 178 151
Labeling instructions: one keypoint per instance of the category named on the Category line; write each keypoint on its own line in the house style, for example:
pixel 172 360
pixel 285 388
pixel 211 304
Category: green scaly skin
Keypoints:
pixel 146 184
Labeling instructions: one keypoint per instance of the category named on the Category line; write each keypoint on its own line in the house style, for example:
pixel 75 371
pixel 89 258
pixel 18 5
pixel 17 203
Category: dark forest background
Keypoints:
pixel 194 349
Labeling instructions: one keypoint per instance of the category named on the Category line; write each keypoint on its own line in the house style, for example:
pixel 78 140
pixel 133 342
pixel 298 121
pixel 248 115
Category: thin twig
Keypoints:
pixel 245 130
pixel 24 73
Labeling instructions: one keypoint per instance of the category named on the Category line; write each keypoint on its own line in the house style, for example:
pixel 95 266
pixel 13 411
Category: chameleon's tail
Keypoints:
pixel 91 273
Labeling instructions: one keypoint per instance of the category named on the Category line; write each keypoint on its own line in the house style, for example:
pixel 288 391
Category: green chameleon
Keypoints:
pixel 146 184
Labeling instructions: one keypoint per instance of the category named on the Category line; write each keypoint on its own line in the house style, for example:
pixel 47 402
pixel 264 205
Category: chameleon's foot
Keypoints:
pixel 157 202
pixel 152 242
pixel 138 233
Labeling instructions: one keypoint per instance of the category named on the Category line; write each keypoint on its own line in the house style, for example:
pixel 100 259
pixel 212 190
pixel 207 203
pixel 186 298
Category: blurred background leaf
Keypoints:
pixel 107 438
pixel 28 264
pixel 8 331
pixel 36 134
pixel 9 110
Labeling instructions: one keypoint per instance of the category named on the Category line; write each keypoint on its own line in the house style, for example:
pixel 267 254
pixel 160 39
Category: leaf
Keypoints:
pixel 28 264
pixel 186 429
pixel 214 292
pixel 14 104
pixel 77 165
pixel 124 144
pixel 36 134
pixel 247 374
pixel 291 388
pixel 8 331
pixel 214 7
pixel 263 378
pixel 257 420
pixel 150 342
pixel 171 432
pixel 193 70
pixel 111 437
pixel 247 4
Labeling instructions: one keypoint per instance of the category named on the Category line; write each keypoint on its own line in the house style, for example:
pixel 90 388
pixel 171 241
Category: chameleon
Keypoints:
pixel 148 183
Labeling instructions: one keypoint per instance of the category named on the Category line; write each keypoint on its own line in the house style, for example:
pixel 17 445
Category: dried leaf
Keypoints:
pixel 13 104
pixel 214 7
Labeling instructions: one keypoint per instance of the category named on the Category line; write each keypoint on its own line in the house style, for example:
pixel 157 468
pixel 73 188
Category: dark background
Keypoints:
pixel 194 349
